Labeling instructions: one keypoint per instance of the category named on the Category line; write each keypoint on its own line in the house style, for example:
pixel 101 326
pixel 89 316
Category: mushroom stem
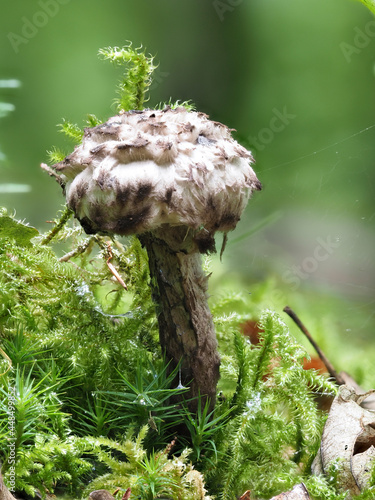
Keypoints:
pixel 186 328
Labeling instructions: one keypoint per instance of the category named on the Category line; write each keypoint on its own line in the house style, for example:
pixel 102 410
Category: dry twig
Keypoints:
pixel 322 356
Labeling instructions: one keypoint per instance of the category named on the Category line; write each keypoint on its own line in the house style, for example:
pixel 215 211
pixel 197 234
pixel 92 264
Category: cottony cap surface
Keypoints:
pixel 143 169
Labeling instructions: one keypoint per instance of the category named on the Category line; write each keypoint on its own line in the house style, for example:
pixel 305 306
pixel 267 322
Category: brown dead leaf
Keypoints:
pixel 369 402
pixel 245 496
pixel 5 494
pixel 127 494
pixel 250 329
pixel 348 436
pixel 299 492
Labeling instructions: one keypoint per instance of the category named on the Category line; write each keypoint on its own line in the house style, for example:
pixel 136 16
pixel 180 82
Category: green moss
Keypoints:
pixel 137 79
pixel 87 370
pixel 370 4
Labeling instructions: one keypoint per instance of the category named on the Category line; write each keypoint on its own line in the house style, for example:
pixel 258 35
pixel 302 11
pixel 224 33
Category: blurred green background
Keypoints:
pixel 295 78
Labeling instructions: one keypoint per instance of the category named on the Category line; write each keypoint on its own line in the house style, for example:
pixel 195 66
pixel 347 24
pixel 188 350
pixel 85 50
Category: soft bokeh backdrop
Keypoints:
pixel 295 78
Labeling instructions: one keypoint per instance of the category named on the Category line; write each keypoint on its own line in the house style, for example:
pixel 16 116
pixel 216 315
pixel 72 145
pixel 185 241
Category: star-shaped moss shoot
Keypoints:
pixel 173 178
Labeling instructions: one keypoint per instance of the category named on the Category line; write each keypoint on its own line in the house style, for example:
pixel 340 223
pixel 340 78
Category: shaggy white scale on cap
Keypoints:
pixel 143 169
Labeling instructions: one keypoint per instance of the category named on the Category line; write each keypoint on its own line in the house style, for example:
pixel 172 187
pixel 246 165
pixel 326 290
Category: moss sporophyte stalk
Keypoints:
pixel 174 178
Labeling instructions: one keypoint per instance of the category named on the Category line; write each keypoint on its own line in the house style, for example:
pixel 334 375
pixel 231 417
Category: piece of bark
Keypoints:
pixel 299 492
pixel 5 494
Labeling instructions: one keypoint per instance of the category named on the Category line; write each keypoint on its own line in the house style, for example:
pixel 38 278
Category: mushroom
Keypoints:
pixel 173 178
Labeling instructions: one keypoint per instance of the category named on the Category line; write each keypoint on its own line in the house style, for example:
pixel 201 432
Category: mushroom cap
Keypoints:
pixel 143 169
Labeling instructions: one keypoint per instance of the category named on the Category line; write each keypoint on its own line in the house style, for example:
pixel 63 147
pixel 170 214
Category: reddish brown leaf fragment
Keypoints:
pixel 246 495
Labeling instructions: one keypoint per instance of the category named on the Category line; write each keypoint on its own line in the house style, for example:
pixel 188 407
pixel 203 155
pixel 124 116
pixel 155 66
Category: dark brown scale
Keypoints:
pixel 98 149
pixel 242 152
pixel 144 190
pixel 228 220
pixel 122 195
pixel 63 164
pixel 98 215
pixel 201 167
pixel 157 125
pixel 218 124
pixel 128 225
pixel 205 242
pixel 168 196
pixel 205 141
pixel 87 225
pixel 188 127
pixel 87 132
pixel 107 129
pixel 124 145
pixel 191 176
pixel 102 180
pixel 221 153
pixel 166 146
pixel 140 142
pixel 211 204
pixel 78 194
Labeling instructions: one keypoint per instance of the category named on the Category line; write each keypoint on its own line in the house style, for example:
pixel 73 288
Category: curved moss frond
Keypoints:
pixel 370 4
pixel 137 78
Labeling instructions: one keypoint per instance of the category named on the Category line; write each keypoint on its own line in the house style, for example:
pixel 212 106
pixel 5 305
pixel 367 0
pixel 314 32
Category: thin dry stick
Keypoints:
pixel 52 173
pixel 106 246
pixel 77 251
pixel 112 268
pixel 322 356
pixel 6 357
pixel 127 494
